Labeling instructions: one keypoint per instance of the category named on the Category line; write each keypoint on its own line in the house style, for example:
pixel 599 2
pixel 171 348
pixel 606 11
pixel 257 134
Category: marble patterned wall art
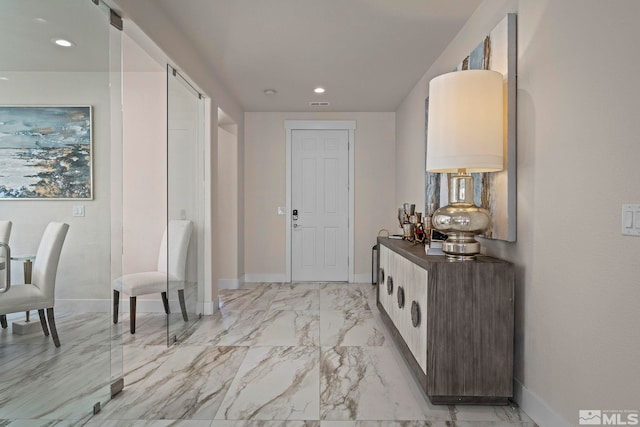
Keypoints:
pixel 46 152
pixel 494 191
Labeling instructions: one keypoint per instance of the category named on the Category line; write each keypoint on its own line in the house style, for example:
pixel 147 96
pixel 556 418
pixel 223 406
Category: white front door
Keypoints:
pixel 320 205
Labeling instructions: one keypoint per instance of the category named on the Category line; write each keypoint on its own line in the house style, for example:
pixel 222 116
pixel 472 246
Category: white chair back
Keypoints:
pixel 45 266
pixel 5 267
pixel 176 239
pixel 5 231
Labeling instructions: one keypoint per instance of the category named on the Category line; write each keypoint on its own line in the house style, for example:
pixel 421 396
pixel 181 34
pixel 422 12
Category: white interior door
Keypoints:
pixel 320 205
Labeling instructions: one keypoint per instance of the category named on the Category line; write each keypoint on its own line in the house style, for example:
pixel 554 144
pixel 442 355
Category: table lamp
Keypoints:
pixel 464 135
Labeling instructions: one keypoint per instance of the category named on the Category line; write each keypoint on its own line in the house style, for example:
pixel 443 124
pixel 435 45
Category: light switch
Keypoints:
pixel 281 210
pixel 631 220
pixel 627 221
pixel 78 210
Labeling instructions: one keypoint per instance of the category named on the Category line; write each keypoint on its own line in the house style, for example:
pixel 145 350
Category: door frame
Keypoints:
pixel 350 127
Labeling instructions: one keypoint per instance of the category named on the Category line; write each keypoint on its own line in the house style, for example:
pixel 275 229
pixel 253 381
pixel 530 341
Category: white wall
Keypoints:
pixel 84 268
pixel 577 287
pixel 228 206
pixel 265 181
pixel 144 168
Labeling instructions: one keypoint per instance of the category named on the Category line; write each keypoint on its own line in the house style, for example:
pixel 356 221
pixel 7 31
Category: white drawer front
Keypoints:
pixel 387 264
pixel 413 281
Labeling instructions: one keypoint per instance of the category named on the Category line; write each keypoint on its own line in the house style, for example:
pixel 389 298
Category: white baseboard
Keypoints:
pixel 210 308
pixel 229 283
pixel 536 408
pixel 264 278
pixel 362 278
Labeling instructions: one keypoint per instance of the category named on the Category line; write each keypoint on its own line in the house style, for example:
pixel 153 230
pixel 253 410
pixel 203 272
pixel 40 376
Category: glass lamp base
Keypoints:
pixel 461 220
pixel 460 247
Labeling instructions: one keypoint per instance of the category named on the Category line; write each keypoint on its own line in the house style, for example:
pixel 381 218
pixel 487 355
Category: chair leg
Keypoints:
pixel 132 315
pixel 183 306
pixel 52 326
pixel 3 321
pixel 165 302
pixel 116 304
pixel 43 322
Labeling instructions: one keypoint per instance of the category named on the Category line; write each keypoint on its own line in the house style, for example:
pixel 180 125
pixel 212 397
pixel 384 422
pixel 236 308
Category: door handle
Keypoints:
pixel 296 225
pixel 7 268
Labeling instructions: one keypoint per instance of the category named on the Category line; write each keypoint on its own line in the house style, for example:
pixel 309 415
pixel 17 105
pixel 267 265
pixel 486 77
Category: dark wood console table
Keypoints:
pixel 452 320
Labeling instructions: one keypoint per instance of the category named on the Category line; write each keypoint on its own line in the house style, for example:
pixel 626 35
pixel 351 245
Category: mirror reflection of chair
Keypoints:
pixel 40 293
pixel 5 267
pixel 171 271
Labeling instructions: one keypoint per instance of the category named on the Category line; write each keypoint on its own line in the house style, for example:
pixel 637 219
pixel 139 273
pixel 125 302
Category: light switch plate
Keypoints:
pixel 631 220
pixel 78 210
pixel 281 210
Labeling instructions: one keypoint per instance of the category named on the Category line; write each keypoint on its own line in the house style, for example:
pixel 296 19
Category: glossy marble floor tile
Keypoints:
pixel 38 382
pixel 190 384
pixel 498 415
pixel 274 355
pixel 262 423
pixel 343 296
pixel 257 298
pixel 370 383
pixel 228 328
pixel 297 297
pixel 275 383
pixel 351 328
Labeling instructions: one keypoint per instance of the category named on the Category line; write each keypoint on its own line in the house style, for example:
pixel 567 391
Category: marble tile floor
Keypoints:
pixel 44 385
pixel 285 355
pixel 38 382
pixel 281 355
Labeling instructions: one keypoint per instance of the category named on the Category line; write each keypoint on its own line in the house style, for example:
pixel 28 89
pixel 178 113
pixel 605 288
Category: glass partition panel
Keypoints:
pixel 185 172
pixel 57 80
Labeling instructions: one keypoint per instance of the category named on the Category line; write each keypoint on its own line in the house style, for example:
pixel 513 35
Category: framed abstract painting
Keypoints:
pixel 46 152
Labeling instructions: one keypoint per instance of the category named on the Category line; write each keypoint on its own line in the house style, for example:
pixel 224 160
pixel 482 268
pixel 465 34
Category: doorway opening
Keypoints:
pixel 228 203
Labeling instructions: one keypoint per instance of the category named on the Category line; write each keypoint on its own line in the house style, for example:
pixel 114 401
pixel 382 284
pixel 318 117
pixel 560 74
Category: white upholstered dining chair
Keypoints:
pixel 40 293
pixel 5 231
pixel 171 269
pixel 5 262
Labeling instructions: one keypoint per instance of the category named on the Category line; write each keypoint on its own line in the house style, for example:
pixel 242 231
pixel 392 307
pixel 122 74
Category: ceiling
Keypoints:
pixel 28 26
pixel 367 54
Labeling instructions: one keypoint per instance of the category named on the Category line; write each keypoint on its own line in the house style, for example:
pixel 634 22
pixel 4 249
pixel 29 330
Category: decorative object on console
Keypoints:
pixel 465 135
pixel 493 191
pixel 413 229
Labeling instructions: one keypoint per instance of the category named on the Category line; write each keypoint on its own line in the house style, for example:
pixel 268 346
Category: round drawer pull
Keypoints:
pixel 415 314
pixel 381 275
pixel 400 297
pixel 389 285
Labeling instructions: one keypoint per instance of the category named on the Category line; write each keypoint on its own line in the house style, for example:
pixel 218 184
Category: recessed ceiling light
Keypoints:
pixel 319 90
pixel 63 42
pixel 270 92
